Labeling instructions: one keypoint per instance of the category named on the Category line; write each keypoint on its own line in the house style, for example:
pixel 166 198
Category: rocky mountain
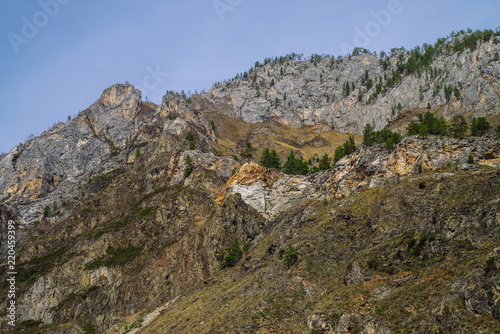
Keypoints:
pixel 141 217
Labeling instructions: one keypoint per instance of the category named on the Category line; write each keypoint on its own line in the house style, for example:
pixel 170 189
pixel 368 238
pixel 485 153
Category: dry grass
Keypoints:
pixel 232 134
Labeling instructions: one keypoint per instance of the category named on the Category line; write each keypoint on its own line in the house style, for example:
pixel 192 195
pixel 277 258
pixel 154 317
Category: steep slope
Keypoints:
pixel 309 91
pixel 406 258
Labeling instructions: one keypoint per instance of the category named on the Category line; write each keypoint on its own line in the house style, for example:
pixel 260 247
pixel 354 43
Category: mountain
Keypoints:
pixel 159 218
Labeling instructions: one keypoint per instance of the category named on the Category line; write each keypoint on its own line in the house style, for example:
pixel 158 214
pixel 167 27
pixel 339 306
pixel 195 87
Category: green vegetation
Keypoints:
pixel 39 266
pixel 190 139
pixel 136 324
pixel 290 256
pixel 470 159
pixel 89 328
pixel 232 254
pixel 479 126
pixel 373 263
pixel 415 248
pixel 137 153
pixel 325 162
pixel 270 159
pixel 247 151
pixel 384 136
pixel 143 213
pixel 428 124
pixel 295 166
pixel 188 166
pixel 115 257
pixel 347 148
pixel 113 225
pixel 458 126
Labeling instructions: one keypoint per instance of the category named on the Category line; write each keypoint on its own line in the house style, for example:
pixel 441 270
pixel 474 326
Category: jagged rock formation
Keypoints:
pixel 270 192
pixel 314 90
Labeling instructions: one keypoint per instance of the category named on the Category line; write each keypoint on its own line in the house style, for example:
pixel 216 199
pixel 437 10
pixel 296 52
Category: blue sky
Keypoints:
pixel 76 49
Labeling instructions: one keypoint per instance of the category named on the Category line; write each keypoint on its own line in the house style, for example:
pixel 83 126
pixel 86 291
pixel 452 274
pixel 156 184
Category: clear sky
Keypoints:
pixel 57 56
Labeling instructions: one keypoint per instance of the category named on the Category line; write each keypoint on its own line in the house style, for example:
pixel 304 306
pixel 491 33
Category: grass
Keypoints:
pixel 113 225
pixel 115 257
pixel 27 272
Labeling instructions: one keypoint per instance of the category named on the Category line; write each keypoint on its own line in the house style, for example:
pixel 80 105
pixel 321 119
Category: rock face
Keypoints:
pixel 116 213
pixel 271 193
pixel 311 91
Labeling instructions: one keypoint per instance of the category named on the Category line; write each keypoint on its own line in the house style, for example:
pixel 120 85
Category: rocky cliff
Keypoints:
pixel 126 214
pixel 308 92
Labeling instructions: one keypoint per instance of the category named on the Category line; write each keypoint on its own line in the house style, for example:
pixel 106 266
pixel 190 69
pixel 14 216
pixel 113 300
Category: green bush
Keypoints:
pixel 290 256
pixel 490 265
pixel 188 166
pixel 232 254
pixel 470 159
pixel 247 151
pixel 189 136
pixel 373 263
pixel 89 328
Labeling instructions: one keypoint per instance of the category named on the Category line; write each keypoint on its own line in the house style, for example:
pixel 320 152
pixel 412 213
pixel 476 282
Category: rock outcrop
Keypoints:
pixel 271 193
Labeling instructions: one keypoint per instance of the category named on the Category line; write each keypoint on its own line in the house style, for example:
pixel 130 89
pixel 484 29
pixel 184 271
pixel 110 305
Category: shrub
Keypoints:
pixel 290 256
pixel 373 263
pixel 188 169
pixel 421 185
pixel 247 151
pixel 89 328
pixel 192 145
pixel 391 270
pixel 470 159
pixel 137 153
pixel 232 254
pixel 490 265
pixel 189 136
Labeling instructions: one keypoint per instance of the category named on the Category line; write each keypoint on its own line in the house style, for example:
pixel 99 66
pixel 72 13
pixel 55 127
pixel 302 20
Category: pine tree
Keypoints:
pixel 479 126
pixel 265 159
pixel 324 163
pixel 290 164
pixel 295 166
pixel 189 136
pixel 458 126
pixel 368 135
pixel 339 154
pixel 274 160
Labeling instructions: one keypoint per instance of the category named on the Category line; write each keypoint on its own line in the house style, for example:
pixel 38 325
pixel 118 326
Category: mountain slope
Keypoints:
pixel 131 205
